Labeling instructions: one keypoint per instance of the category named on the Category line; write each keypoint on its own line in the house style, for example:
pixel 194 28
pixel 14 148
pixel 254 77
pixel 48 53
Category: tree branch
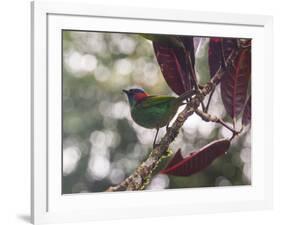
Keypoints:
pixel 210 118
pixel 138 179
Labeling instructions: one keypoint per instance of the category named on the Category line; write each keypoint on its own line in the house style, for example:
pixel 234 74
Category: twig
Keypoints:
pixel 209 100
pixel 203 106
pixel 193 75
pixel 210 118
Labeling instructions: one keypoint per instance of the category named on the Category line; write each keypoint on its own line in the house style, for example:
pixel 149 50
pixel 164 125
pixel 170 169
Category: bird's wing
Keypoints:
pixel 156 100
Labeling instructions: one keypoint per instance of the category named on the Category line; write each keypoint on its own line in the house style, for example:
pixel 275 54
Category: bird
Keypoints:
pixel 154 111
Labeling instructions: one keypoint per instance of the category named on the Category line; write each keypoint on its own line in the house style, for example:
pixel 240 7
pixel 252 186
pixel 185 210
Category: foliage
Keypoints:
pixel 177 65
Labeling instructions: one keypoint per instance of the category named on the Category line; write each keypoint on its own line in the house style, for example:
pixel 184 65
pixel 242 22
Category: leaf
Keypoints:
pixel 246 119
pixel 188 43
pixel 219 48
pixel 172 59
pixel 196 161
pixel 234 83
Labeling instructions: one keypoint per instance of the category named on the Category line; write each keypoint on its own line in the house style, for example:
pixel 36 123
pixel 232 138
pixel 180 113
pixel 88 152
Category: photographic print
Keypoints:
pixel 154 111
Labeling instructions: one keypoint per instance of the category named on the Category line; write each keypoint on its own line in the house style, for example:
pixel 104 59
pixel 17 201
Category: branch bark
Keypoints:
pixel 138 179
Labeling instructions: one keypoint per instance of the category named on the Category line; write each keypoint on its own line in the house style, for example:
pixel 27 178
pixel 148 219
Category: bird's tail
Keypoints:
pixel 185 95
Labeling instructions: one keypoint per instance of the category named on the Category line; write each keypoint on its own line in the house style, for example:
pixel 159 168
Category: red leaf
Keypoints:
pixel 196 161
pixel 188 43
pixel 234 83
pixel 173 63
pixel 246 119
pixel 216 45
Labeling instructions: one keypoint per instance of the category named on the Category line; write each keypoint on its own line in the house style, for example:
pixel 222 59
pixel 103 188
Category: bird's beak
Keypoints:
pixel 125 91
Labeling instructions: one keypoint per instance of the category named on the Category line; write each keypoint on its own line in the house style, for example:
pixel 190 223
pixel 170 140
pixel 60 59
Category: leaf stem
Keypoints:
pixel 210 118
pixel 209 100
pixel 223 63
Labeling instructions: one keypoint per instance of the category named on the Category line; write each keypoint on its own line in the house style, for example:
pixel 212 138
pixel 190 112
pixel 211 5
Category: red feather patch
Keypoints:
pixel 140 96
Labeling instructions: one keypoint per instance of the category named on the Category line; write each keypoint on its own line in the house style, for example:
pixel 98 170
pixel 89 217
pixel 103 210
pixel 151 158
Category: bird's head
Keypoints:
pixel 135 95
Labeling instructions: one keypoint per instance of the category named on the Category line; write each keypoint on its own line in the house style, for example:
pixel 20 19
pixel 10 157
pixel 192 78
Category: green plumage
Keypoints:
pixel 155 111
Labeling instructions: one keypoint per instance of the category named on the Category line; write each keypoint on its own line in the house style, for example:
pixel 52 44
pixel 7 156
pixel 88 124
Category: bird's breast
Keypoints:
pixel 153 117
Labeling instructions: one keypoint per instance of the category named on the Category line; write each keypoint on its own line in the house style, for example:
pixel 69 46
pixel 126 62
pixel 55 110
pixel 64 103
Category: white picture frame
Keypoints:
pixel 48 205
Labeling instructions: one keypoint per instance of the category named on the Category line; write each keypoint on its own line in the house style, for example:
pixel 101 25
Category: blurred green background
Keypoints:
pixel 101 143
